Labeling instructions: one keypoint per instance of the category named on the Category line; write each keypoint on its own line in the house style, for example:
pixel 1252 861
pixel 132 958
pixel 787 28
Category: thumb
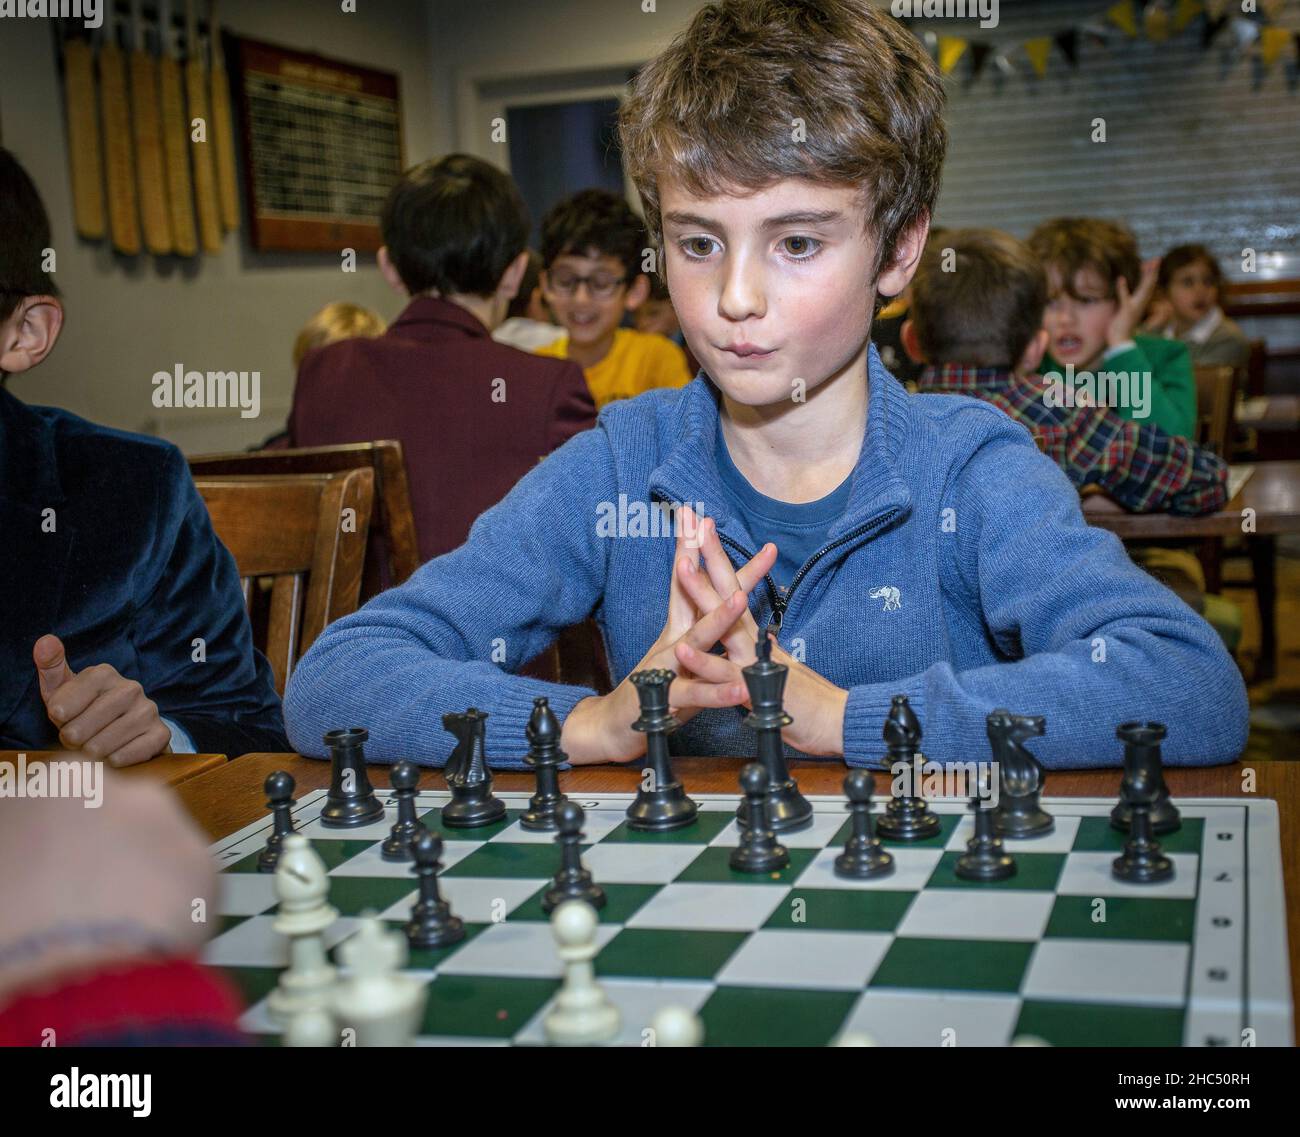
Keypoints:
pixel 51 665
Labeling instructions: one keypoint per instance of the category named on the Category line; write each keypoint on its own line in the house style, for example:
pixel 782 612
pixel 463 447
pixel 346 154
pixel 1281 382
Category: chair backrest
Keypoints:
pixel 1214 398
pixel 307 534
pixel 1253 382
pixel 394 552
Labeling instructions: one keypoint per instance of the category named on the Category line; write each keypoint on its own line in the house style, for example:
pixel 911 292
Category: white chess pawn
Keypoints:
pixel 301 887
pixel 1029 1040
pixel 582 1013
pixel 382 1006
pixel 676 1026
pixel 313 1027
pixel 855 1038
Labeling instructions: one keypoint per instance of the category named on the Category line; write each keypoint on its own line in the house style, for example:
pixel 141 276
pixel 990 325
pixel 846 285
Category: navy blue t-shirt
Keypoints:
pixel 798 530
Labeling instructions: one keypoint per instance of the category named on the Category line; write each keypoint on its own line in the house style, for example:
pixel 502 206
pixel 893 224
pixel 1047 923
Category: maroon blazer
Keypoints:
pixel 429 382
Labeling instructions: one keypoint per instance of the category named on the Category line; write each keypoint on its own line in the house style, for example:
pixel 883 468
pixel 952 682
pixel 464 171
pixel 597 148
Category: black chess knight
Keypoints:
pixel 468 776
pixel 787 808
pixel 1019 812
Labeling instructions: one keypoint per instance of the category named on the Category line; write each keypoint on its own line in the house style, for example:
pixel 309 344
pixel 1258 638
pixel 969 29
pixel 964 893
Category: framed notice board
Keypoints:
pixel 322 146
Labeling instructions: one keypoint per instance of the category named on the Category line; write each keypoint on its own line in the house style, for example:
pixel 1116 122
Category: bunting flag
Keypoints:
pixel 1272 42
pixel 951 49
pixel 1155 22
pixel 979 54
pixel 1213 26
pixel 1068 42
pixel 1185 12
pixel 1038 50
pixel 1124 17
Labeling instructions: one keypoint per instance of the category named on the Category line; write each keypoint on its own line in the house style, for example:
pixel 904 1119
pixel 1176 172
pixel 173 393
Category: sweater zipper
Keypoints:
pixel 781 603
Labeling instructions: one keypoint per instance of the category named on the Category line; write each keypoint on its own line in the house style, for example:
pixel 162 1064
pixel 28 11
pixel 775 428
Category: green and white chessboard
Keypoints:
pixel 1062 950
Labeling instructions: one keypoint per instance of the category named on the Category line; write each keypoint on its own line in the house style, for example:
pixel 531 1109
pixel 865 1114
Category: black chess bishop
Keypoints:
pixel 545 757
pixel 907 817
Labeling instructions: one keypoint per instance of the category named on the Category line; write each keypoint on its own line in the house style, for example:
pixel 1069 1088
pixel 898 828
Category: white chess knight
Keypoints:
pixel 381 1005
pixel 302 887
pixel 582 1013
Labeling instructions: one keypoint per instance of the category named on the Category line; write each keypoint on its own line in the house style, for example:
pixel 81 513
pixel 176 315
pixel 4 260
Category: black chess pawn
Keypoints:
pixel 787 809
pixel 544 756
pixel 1142 759
pixel 1142 861
pixel 907 817
pixel 472 802
pixel 405 780
pixel 863 858
pixel 572 882
pixel 1019 812
pixel 279 800
pixel 662 804
pixel 984 858
pixel 351 801
pixel 759 850
pixel 432 924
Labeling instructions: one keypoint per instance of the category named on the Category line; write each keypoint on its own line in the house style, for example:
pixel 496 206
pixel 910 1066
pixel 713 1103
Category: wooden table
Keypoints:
pixel 1275 419
pixel 170 769
pixel 228 798
pixel 1273 492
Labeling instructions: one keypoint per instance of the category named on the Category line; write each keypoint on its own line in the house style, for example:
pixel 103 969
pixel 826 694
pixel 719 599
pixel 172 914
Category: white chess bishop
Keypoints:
pixel 582 1014
pixel 301 886
pixel 383 1006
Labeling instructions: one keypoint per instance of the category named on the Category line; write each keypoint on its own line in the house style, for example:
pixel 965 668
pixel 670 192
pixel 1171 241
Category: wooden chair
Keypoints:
pixel 1215 397
pixel 295 530
pixel 393 553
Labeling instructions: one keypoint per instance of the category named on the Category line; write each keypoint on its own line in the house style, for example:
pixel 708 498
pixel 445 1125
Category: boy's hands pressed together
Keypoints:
pixel 599 729
pixel 98 711
pixel 815 703
pixel 1130 306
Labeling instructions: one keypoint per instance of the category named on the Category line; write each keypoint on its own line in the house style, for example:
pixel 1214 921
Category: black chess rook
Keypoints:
pixel 1142 759
pixel 351 800
pixel 907 817
pixel 469 777
pixel 661 803
pixel 787 809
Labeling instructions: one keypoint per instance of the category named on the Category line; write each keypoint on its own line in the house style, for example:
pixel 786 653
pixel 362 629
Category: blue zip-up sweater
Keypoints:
pixel 961 574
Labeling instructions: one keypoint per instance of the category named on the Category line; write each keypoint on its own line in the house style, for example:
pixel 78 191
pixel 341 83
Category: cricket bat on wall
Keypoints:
pixel 205 172
pixel 146 124
pixel 223 134
pixel 83 138
pixel 176 138
pixel 119 162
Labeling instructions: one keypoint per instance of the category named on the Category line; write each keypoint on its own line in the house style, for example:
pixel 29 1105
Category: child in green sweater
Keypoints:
pixel 1098 290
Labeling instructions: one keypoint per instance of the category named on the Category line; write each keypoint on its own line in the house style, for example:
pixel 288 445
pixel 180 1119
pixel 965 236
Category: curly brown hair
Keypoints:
pixel 1069 244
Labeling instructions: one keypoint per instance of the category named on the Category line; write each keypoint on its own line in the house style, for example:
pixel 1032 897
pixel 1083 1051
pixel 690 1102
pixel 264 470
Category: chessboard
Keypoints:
pixel 1061 952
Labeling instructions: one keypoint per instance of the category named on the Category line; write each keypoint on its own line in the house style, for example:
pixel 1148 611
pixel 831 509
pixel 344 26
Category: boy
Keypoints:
pixel 1097 292
pixel 592 246
pixel 111 577
pixel 528 324
pixel 970 540
pixel 978 327
pixel 473 415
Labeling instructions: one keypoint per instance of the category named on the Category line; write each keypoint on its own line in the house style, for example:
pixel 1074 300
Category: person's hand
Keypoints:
pixel 1160 314
pixel 1130 305
pixel 92 886
pixel 599 729
pixel 1097 500
pixel 814 702
pixel 97 711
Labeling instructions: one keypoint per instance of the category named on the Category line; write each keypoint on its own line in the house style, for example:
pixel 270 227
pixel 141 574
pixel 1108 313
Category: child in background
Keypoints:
pixel 978 331
pixel 592 247
pixel 879 543
pixel 338 321
pixel 528 324
pixel 1187 309
pixel 1097 291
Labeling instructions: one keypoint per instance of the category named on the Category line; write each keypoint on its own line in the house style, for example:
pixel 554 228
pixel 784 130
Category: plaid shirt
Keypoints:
pixel 1140 466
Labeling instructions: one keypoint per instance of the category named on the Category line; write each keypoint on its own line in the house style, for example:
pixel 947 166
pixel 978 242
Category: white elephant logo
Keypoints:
pixel 889 594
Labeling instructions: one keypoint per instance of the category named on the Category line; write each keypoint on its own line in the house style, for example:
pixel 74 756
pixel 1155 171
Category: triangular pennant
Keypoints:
pixel 1155 22
pixel 1068 42
pixel 1038 49
pixel 979 54
pixel 1185 12
pixel 1123 17
pixel 1272 42
pixel 1213 26
pixel 951 49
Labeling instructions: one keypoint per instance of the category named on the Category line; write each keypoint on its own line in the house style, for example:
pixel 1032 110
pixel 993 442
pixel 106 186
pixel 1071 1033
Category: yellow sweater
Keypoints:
pixel 638 362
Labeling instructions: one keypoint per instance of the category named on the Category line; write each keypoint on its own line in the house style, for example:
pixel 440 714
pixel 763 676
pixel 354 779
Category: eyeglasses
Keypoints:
pixel 601 285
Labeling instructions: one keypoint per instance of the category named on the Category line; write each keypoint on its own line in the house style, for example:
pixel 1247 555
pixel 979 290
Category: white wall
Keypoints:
pixel 128 317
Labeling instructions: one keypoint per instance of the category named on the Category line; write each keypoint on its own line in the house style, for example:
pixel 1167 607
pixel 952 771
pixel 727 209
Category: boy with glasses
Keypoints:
pixel 593 245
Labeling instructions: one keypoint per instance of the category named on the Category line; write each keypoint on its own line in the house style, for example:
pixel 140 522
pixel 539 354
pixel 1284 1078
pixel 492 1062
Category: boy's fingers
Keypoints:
pixel 51 665
pixel 707 666
pixel 713 625
pixel 694 693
